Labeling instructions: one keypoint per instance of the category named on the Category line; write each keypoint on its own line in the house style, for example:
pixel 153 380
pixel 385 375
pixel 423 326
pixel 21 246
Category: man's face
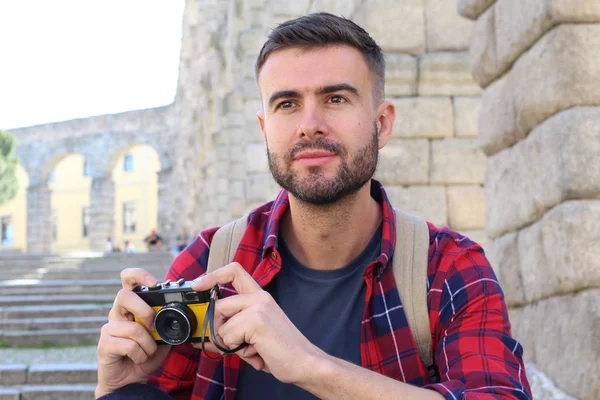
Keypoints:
pixel 320 122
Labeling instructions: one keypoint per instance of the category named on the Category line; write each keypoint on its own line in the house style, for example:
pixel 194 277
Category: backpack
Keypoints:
pixel 409 265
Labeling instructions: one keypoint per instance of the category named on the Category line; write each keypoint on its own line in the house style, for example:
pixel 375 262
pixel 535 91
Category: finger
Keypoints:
pixel 111 349
pixel 208 347
pixel 230 306
pixel 233 273
pixel 256 361
pixel 131 331
pixel 126 304
pixel 133 277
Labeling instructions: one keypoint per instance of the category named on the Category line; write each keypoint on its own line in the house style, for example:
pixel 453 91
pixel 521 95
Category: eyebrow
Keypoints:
pixel 321 91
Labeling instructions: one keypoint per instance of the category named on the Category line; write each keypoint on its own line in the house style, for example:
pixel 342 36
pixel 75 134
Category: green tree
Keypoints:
pixel 8 167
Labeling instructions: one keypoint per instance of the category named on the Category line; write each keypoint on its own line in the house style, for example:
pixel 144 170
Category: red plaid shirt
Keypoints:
pixel 474 352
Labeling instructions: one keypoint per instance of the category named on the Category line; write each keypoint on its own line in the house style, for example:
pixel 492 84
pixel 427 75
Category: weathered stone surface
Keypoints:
pixel 400 75
pixel 62 373
pixel 404 162
pixel 256 158
pixel 457 161
pixel 466 116
pixel 446 74
pixel 542 387
pixel 518 25
pixel 466 207
pixel 9 394
pixel 497 119
pixel 479 237
pixel 423 117
pixel 345 8
pixel 543 81
pixel 485 65
pixel 568 323
pixel 503 254
pixel 543 170
pixel 559 254
pixel 260 187
pixel 395 26
pixel 13 374
pixel 289 8
pixel 428 202
pixel 473 8
pixel 446 29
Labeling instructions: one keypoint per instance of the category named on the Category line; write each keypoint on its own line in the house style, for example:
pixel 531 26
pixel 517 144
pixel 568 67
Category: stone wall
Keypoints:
pixel 540 128
pixel 433 165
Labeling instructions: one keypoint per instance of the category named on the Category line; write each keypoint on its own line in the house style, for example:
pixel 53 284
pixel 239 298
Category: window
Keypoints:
pixel 85 221
pixel 7 231
pixel 87 169
pixel 128 162
pixel 129 217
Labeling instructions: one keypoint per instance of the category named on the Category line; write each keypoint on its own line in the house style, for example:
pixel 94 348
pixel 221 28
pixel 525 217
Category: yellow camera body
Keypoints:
pixel 179 311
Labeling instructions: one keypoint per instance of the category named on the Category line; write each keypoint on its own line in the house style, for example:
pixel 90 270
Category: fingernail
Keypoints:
pixel 198 279
pixel 149 280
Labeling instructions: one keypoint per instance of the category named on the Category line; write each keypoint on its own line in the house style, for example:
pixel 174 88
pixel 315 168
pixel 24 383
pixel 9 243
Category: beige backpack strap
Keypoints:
pixel 225 243
pixel 409 264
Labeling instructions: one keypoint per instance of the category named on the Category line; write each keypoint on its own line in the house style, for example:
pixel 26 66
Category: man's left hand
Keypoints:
pixel 252 316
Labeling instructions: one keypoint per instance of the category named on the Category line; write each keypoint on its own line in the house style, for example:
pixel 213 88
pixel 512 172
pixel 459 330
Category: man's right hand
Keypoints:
pixel 127 353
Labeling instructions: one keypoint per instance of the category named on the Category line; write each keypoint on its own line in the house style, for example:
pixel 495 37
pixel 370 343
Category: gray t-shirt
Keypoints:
pixel 325 305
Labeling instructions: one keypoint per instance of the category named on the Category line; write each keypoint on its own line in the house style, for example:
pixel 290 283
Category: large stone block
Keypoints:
pixel 503 254
pixel 518 25
pixel 466 116
pixel 345 8
pixel 423 117
pixel 400 75
pixel 446 74
pixel 289 8
pixel 542 387
pixel 546 168
pixel 473 8
pixel 572 325
pixel 558 73
pixel 446 29
pixel 457 161
pixel 13 374
pixel 485 65
pixel 497 119
pixel 559 254
pixel 478 236
pixel 428 202
pixel 395 26
pixel 404 162
pixel 466 207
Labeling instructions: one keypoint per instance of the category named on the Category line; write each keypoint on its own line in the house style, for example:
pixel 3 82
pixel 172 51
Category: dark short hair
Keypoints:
pixel 322 30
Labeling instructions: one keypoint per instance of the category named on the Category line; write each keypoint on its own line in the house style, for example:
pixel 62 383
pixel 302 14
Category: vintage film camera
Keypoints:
pixel 180 311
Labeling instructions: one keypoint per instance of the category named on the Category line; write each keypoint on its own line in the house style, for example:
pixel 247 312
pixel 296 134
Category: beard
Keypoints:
pixel 317 189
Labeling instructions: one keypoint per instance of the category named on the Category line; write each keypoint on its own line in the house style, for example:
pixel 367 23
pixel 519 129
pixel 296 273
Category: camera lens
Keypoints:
pixel 175 323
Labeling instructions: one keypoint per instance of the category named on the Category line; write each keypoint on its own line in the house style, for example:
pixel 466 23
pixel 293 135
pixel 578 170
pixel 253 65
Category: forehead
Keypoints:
pixel 308 69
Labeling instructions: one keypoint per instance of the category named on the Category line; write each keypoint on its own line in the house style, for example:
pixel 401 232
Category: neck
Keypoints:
pixel 331 236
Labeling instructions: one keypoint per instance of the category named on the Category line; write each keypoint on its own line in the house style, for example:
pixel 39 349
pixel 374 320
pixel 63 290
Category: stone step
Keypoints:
pixel 47 374
pixel 52 323
pixel 48 392
pixel 51 337
pixel 112 272
pixel 56 310
pixel 55 299
pixel 23 287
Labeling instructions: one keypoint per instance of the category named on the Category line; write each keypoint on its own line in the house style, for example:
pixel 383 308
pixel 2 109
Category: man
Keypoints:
pixel 312 290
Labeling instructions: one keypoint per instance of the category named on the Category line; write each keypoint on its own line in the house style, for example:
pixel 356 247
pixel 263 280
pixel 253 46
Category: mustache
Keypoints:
pixel 319 144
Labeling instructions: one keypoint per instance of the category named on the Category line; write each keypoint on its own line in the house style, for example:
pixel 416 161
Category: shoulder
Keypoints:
pixel 193 260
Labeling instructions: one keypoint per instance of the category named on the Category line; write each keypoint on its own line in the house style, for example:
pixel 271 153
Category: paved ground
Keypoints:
pixel 63 355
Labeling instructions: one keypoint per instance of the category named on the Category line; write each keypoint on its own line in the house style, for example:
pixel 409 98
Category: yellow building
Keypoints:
pixel 135 211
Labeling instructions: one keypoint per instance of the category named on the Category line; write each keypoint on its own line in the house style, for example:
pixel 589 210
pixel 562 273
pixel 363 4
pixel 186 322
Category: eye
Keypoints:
pixel 285 105
pixel 336 99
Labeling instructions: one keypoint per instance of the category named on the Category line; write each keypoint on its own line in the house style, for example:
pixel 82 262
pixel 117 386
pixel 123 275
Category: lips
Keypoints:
pixel 310 154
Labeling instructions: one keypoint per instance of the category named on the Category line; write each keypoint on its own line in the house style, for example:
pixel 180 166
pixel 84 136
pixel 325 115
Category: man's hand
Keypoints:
pixel 127 353
pixel 275 345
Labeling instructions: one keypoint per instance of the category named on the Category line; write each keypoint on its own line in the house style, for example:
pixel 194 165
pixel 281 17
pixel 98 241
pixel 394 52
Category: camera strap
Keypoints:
pixel 209 319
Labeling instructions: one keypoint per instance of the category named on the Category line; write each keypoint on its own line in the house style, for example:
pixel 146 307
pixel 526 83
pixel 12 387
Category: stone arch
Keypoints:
pixel 13 216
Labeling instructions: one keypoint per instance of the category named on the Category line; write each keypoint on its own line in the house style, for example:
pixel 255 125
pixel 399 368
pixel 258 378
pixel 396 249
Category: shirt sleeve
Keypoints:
pixel 177 374
pixel 476 355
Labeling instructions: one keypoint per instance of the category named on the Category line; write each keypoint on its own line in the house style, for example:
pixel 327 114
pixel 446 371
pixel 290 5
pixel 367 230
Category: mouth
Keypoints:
pixel 314 157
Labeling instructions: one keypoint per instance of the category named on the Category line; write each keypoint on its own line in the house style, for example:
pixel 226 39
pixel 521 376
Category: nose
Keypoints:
pixel 313 121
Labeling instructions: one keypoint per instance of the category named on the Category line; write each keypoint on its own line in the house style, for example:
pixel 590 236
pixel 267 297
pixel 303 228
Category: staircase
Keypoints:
pixel 58 304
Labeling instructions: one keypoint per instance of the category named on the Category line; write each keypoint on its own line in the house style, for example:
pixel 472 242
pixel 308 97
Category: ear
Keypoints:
pixel 261 123
pixel 386 116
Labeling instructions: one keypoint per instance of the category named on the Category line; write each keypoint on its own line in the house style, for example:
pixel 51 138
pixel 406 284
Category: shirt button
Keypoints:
pixel 274 256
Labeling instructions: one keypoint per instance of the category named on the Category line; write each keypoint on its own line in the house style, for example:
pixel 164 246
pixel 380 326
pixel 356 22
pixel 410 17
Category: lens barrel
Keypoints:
pixel 175 323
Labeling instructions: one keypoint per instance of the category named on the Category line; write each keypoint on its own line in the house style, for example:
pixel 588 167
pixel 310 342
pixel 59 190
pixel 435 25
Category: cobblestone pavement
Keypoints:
pixel 63 355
